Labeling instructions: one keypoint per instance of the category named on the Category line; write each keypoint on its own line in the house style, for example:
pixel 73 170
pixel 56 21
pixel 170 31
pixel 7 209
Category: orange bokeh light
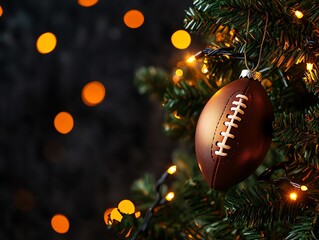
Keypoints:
pixel 87 3
pixel 181 39
pixel 1 11
pixel 93 93
pixel 63 122
pixel 60 223
pixel 126 206
pixel 46 42
pixel 133 18
pixel 107 216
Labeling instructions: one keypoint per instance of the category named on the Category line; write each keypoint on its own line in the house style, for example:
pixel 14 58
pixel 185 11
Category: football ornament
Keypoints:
pixel 234 131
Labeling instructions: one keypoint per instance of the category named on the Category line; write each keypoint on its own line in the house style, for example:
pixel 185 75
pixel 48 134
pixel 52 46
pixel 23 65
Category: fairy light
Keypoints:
pixel 204 69
pixel 171 170
pixel 303 188
pixel 169 196
pixel 191 59
pixel 299 14
pixel 179 72
pixel 160 200
pixel 293 196
pixel 309 66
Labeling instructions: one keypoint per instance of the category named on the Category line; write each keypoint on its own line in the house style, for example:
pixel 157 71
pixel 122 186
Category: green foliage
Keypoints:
pixel 205 212
pixel 286 35
pixel 251 209
pixel 151 81
pixel 143 191
pixel 299 131
pixel 302 229
pixel 311 80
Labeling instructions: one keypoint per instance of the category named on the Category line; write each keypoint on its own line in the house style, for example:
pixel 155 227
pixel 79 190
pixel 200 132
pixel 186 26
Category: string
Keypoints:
pixel 261 45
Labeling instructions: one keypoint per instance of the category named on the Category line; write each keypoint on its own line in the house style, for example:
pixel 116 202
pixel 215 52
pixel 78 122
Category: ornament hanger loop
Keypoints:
pixel 261 45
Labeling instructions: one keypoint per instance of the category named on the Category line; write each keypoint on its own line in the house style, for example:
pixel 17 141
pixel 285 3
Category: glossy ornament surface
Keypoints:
pixel 233 133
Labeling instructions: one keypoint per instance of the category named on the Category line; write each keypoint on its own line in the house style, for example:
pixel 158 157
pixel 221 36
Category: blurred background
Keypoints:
pixel 83 161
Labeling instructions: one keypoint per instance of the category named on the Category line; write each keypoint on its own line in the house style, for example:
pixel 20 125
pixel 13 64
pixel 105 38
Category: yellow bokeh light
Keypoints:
pixel 87 3
pixel 172 169
pixel 116 215
pixel 93 93
pixel 169 197
pixel 133 18
pixel 303 188
pixel 137 214
pixel 126 206
pixel 46 42
pixel 107 216
pixel 299 14
pixel 181 39
pixel 60 223
pixel 1 11
pixel 179 72
pixel 293 196
pixel 63 122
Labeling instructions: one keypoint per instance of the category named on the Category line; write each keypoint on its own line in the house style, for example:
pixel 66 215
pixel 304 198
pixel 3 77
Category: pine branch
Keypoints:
pixel 286 41
pixel 302 229
pixel 245 207
pixel 183 103
pixel 151 81
pixel 311 80
pixel 204 208
pixel 263 205
pixel 143 191
pixel 187 97
pixel 300 132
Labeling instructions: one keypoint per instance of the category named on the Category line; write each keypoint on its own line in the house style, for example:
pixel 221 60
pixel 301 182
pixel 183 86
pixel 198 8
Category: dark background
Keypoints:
pixel 81 174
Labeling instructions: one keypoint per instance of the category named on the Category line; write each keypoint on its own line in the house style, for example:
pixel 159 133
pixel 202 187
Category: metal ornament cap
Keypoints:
pixel 246 73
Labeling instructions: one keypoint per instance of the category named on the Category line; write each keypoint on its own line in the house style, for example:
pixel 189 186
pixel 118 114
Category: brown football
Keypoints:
pixel 233 133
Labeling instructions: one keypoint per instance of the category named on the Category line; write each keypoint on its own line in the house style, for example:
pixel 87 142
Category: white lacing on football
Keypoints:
pixel 238 109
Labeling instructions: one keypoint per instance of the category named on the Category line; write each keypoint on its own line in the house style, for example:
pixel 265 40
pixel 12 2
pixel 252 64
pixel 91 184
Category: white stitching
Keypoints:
pixel 239 104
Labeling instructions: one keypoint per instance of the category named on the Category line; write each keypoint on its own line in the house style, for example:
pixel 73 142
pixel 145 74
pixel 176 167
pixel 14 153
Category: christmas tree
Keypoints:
pixel 279 200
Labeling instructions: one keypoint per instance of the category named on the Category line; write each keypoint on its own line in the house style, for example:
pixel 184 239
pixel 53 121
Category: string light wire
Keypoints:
pixel 159 201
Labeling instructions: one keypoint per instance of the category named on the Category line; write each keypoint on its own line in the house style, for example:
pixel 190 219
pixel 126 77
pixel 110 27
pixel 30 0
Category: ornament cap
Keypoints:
pixel 245 73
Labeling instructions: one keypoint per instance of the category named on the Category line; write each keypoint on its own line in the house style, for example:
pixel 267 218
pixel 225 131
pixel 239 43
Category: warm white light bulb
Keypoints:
pixel 298 14
pixel 293 196
pixel 172 169
pixel 191 59
pixel 309 66
pixel 169 197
